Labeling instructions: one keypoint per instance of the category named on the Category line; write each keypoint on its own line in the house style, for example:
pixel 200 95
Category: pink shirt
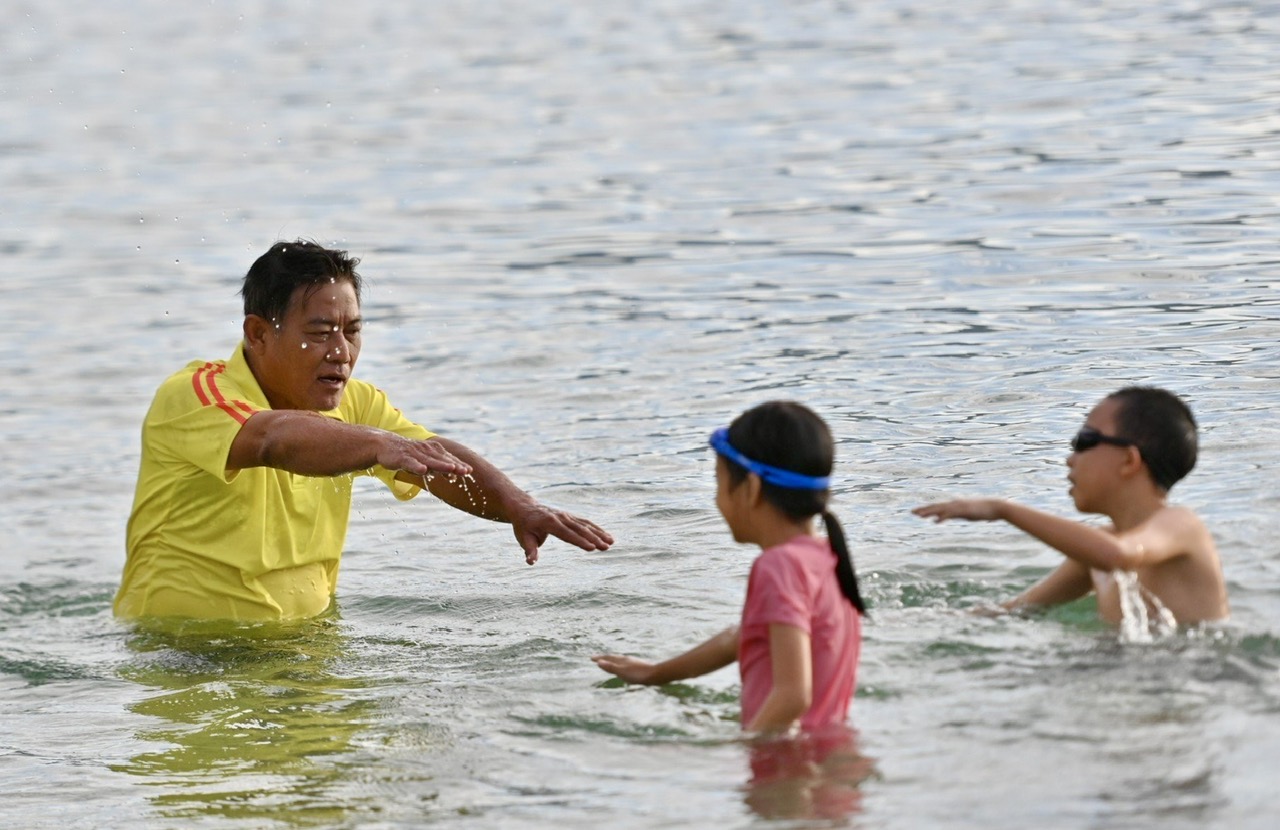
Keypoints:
pixel 795 584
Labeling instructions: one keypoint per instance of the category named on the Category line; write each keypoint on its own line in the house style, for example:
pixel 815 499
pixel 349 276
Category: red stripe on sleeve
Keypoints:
pixel 222 402
pixel 208 374
pixel 196 381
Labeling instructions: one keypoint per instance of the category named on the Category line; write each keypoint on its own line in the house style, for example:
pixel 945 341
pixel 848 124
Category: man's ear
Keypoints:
pixel 755 487
pixel 256 331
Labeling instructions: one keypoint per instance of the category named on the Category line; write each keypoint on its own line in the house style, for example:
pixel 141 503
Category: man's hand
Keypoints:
pixel 488 493
pixel 974 510
pixel 534 522
pixel 421 458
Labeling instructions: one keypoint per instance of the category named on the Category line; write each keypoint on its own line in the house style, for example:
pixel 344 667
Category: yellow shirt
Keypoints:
pixel 256 544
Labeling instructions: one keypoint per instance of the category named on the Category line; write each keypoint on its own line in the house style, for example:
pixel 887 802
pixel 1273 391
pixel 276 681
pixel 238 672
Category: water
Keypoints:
pixel 591 235
pixel 1143 617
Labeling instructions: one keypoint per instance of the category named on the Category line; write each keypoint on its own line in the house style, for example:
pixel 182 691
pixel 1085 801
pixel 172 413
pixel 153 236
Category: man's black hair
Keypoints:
pixel 274 276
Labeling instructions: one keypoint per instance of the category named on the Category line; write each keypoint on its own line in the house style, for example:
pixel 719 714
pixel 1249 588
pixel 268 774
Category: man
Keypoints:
pixel 244 487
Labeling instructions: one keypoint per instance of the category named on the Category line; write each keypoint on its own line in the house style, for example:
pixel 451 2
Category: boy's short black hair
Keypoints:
pixel 1163 428
pixel 274 276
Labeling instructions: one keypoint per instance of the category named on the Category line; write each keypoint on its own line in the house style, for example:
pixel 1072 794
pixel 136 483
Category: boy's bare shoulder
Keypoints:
pixel 1184 525
pixel 1189 580
pixel 1181 514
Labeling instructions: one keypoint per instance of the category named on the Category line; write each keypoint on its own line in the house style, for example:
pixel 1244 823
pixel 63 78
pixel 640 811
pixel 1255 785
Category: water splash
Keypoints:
pixel 1144 618
pixel 478 508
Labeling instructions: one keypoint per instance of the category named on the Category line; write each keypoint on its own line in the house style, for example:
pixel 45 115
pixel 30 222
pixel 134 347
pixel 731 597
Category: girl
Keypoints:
pixel 798 643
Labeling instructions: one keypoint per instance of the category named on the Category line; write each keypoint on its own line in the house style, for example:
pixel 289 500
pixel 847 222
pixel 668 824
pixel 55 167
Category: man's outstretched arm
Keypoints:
pixel 488 493
pixel 308 443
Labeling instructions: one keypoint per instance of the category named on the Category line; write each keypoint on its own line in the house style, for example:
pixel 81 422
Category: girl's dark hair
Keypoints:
pixel 791 436
pixel 274 276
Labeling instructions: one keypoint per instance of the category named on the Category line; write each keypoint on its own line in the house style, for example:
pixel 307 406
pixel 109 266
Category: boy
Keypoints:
pixel 1134 446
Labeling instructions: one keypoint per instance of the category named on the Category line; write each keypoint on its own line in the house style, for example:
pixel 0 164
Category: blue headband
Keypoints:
pixel 787 479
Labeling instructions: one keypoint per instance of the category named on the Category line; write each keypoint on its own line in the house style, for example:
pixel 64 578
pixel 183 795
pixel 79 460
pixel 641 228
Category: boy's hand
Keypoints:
pixel 628 668
pixel 974 510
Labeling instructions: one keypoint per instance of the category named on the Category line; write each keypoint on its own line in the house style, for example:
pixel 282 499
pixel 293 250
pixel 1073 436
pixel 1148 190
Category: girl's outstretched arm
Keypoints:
pixel 716 653
pixel 791 661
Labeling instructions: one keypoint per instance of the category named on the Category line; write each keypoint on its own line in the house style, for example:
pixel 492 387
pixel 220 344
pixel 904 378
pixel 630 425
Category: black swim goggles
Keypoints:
pixel 788 479
pixel 1088 438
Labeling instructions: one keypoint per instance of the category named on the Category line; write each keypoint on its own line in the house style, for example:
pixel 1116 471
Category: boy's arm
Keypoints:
pixel 715 653
pixel 791 660
pixel 1069 581
pixel 1152 542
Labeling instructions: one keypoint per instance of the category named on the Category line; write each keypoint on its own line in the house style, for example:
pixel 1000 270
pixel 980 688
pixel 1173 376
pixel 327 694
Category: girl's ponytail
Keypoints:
pixel 844 562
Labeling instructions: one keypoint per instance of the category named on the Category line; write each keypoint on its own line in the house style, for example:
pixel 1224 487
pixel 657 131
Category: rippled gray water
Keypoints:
pixel 592 233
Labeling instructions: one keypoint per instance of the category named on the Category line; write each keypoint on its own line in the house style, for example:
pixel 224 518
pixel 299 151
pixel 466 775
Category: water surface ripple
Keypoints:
pixel 592 234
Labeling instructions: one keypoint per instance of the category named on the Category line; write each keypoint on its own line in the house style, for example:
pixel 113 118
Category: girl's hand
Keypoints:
pixel 974 510
pixel 628 668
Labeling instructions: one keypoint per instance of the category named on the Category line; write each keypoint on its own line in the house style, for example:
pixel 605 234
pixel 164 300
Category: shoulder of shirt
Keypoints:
pixel 189 388
pixel 358 395
pixel 799 543
pixel 362 387
pixel 180 382
pixel 776 555
pixel 358 400
pixel 793 553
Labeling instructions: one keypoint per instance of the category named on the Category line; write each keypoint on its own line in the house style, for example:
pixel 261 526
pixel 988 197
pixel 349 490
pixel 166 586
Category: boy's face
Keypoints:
pixel 1094 472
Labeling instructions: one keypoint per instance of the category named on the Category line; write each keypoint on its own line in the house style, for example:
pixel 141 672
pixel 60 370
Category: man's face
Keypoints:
pixel 305 360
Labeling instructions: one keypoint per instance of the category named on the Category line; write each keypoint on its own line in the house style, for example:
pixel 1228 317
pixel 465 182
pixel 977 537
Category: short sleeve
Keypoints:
pixel 370 406
pixel 195 418
pixel 780 592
